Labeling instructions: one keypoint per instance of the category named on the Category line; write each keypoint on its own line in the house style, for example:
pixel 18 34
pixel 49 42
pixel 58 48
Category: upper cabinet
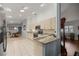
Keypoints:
pixel 48 24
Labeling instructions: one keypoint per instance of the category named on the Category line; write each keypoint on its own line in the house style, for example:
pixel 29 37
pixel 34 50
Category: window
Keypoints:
pixel 66 29
pixel 69 29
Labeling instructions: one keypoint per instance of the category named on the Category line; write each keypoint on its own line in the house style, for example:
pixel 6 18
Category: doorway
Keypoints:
pixel 70 12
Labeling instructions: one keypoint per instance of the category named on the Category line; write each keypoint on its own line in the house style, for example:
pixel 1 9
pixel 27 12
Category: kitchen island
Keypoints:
pixel 51 45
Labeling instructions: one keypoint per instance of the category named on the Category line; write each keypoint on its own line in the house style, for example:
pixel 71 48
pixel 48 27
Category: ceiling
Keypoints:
pixel 70 11
pixel 66 6
pixel 15 12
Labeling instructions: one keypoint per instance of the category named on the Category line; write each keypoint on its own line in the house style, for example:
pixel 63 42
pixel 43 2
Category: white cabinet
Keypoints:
pixel 48 23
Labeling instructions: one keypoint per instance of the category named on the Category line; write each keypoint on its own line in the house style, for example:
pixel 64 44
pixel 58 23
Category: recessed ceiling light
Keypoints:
pixel 42 5
pixel 8 9
pixel 21 10
pixel 15 28
pixel 26 8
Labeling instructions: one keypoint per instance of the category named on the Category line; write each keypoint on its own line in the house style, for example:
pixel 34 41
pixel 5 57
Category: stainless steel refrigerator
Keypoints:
pixel 3 32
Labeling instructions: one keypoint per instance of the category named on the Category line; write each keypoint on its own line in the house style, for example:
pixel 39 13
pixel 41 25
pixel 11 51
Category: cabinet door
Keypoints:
pixel 48 23
pixel 52 48
pixel 52 23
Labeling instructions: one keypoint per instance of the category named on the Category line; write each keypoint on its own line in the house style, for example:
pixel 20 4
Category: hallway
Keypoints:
pixel 23 47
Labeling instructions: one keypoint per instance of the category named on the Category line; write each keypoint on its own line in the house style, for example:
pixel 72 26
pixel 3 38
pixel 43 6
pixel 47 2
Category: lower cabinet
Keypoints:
pixel 52 48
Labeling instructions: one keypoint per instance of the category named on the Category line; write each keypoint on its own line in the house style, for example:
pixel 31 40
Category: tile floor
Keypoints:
pixel 23 47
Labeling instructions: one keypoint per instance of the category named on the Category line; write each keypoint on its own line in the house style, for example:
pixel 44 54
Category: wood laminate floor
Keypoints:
pixel 23 47
pixel 71 47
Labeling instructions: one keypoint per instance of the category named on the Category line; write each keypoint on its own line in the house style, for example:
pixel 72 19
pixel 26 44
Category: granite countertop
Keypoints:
pixel 43 38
